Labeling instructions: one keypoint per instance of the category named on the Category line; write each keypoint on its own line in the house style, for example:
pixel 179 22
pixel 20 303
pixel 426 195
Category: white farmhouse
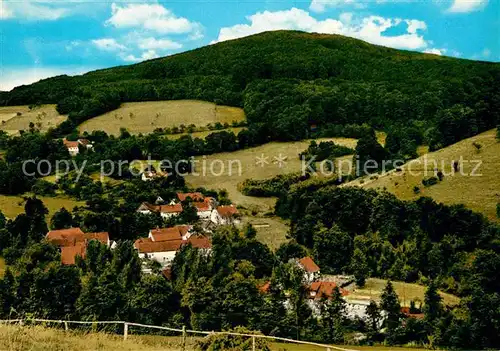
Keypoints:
pixel 310 268
pixel 166 211
pixel 224 215
pixel 71 146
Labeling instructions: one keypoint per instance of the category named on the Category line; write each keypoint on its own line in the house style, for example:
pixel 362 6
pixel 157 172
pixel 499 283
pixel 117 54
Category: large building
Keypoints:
pixel 73 242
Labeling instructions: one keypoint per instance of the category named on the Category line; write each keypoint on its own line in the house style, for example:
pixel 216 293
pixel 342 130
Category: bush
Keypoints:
pixel 416 189
pixel 220 342
pixel 430 181
pixel 43 188
pixel 498 210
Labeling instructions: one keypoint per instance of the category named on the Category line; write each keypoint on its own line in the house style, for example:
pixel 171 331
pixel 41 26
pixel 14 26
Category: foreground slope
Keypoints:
pixel 478 189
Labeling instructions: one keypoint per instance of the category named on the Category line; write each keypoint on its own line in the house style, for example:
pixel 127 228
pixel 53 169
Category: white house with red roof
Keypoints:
pixel 164 251
pixel 166 211
pixel 310 268
pixel 224 215
pixel 73 242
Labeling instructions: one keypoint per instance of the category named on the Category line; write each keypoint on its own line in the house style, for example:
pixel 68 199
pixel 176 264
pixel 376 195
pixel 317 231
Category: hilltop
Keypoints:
pixel 293 85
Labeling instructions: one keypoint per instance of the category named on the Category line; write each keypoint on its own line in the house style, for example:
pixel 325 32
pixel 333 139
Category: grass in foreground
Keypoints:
pixel 11 206
pixel 38 338
pixel 15 118
pixel 480 193
pixel 145 117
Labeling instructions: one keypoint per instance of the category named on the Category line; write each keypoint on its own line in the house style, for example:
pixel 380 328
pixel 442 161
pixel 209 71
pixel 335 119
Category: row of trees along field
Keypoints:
pixel 297 85
pixel 221 290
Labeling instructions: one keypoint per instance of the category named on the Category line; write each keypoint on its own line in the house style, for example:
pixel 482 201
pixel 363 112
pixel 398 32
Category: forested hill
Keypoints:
pixel 289 80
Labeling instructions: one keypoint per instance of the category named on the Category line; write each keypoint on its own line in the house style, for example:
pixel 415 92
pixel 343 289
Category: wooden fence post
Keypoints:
pixel 253 343
pixel 125 331
pixel 66 326
pixel 183 338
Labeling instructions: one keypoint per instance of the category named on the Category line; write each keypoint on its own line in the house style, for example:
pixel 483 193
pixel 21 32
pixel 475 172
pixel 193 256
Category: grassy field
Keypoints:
pixel 270 230
pixel 241 165
pixel 15 118
pixel 38 338
pixel 479 192
pixel 145 117
pixel 11 206
pixel 406 292
pixel 3 267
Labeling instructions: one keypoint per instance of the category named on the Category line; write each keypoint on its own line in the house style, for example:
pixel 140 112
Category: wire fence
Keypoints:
pixel 125 328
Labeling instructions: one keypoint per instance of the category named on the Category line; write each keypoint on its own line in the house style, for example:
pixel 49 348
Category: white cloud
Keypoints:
pixel 5 12
pixel 39 10
pixel 108 44
pixel 370 28
pixel 322 5
pixel 146 55
pixel 154 44
pixel 435 51
pixel 486 53
pixel 415 25
pixel 153 17
pixel 12 77
pixel 464 6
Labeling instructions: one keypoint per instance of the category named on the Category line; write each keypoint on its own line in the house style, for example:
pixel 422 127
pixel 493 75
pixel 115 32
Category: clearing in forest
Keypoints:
pixel 145 117
pixel 16 118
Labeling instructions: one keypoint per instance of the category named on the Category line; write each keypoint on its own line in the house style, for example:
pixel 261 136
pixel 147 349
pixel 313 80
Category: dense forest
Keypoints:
pixel 294 85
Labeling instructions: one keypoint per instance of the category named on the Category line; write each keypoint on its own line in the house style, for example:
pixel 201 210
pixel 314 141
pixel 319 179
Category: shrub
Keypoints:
pixel 498 210
pixel 416 189
pixel 44 188
pixel 440 175
pixel 430 181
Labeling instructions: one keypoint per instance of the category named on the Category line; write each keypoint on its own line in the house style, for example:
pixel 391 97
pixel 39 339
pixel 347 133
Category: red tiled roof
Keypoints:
pixel 65 237
pixel 69 253
pixel 145 246
pixel 406 312
pixel 177 208
pixel 309 265
pixel 172 233
pixel 202 206
pixel 324 289
pixel 194 196
pixel 103 237
pixel 200 242
pixel 70 144
pixel 227 211
pixel 265 287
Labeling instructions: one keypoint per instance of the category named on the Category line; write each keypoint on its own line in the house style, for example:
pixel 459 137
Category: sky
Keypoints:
pixel 44 38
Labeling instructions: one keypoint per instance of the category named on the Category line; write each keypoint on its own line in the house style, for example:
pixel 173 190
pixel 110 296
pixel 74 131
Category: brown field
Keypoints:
pixel 145 117
pixel 44 118
pixel 38 338
pixel 406 292
pixel 11 206
pixel 480 192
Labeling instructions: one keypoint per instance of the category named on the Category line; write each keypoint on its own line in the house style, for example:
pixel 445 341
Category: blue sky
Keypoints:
pixel 42 38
